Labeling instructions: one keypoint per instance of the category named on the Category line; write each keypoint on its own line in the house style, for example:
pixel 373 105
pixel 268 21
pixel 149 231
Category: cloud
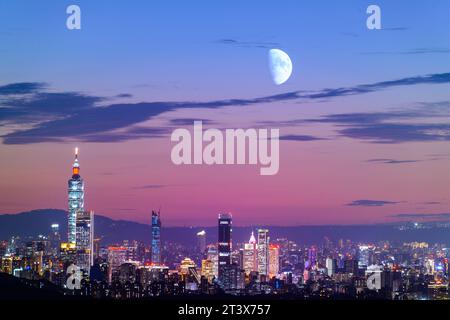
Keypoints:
pixel 294 137
pixel 124 95
pixel 21 88
pixel 150 186
pixel 416 51
pixel 394 29
pixel 249 44
pixel 74 115
pixel 422 215
pixel 370 203
pixel 189 121
pixel 392 127
pixel 392 161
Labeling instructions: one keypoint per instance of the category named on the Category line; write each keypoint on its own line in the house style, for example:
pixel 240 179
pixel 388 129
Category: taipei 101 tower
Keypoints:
pixel 76 199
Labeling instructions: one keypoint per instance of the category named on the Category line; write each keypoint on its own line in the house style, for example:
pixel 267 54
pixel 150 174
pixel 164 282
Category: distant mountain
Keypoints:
pixel 36 222
pixel 111 231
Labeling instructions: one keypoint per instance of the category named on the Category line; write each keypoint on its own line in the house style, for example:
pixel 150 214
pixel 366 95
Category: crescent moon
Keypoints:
pixel 280 66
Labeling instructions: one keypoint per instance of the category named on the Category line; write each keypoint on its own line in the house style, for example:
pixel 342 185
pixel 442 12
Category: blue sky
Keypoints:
pixel 176 44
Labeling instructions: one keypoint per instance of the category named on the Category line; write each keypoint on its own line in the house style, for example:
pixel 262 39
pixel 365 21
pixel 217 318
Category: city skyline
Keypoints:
pixel 363 119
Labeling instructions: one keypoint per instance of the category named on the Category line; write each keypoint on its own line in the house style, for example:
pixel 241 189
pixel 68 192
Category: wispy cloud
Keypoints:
pixel 392 161
pixel 74 115
pixel 370 203
pixel 249 44
pixel 295 137
pixel 150 186
pixel 416 51
pixel 392 127
pixel 422 216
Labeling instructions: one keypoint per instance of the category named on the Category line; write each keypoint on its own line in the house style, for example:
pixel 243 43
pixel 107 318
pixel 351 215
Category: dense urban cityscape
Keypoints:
pixel 84 266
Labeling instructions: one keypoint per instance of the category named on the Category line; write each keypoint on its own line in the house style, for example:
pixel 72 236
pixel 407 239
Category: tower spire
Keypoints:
pixel 76 165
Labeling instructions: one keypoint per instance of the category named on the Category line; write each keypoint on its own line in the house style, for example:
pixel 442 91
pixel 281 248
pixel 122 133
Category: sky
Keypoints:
pixel 364 118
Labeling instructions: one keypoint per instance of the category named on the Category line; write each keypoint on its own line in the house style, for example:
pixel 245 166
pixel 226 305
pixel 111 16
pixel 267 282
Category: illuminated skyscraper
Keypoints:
pixel 85 240
pixel 76 199
pixel 116 257
pixel 201 241
pixel 212 255
pixel 274 260
pixel 250 256
pixel 331 266
pixel 263 252
pixel 224 243
pixel 156 238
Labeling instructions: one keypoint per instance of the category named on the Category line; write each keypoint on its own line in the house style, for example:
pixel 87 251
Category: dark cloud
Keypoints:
pixel 370 203
pixel 294 137
pixel 58 116
pixel 21 88
pixel 391 127
pixel 397 132
pixel 189 121
pixel 46 106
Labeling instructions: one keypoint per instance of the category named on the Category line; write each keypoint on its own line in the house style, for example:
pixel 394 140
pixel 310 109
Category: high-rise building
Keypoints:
pixel 55 238
pixel 250 255
pixel 213 256
pixel 331 266
pixel 201 241
pixel 156 238
pixel 263 252
pixel 365 256
pixel 274 260
pixel 208 270
pixel 351 266
pixel 116 257
pixel 76 199
pixel 224 243
pixel 85 240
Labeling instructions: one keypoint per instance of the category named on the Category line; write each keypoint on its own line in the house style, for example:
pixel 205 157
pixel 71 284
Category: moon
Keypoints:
pixel 280 66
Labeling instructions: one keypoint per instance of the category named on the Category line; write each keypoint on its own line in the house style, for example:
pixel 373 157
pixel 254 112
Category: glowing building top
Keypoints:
pixel 252 239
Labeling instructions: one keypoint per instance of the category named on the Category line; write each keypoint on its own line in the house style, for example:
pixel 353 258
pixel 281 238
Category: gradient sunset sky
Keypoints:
pixel 364 118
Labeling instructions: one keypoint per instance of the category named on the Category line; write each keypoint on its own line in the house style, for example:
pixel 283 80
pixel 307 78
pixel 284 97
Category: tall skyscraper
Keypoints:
pixel 212 255
pixel 331 266
pixel 274 260
pixel 156 238
pixel 263 252
pixel 85 240
pixel 224 243
pixel 116 257
pixel 55 238
pixel 250 255
pixel 201 241
pixel 76 199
